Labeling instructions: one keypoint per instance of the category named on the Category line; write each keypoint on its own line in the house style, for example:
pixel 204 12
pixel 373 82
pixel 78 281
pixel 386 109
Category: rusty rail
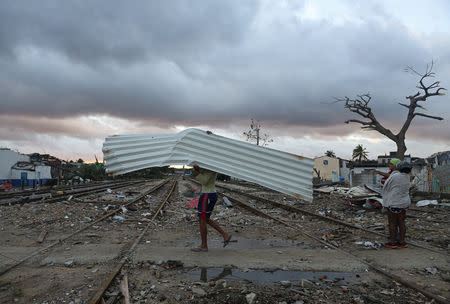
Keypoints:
pixel 45 189
pixel 61 197
pixel 327 218
pixel 412 285
pixel 98 295
pixel 142 195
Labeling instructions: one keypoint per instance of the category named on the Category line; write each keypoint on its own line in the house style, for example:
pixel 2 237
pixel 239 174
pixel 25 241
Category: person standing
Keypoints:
pixel 392 163
pixel 206 204
pixel 396 200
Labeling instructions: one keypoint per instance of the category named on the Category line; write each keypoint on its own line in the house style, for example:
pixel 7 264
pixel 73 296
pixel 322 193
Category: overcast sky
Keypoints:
pixel 74 72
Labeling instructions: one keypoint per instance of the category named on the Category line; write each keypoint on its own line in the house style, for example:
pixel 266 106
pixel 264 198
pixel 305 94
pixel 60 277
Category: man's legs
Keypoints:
pixel 205 207
pixel 402 226
pixel 218 228
pixel 392 219
pixel 203 233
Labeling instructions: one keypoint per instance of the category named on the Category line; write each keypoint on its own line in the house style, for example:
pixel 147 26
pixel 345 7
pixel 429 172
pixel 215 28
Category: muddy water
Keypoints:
pixel 265 277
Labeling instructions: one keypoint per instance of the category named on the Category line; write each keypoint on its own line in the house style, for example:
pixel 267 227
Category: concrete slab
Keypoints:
pixel 274 258
pixel 83 254
pixel 11 254
pixel 294 258
pixel 299 259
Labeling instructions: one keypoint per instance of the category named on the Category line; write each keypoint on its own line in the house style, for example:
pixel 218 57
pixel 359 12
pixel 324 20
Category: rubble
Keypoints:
pixel 166 281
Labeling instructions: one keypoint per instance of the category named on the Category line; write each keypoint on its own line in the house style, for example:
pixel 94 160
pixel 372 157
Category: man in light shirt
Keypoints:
pixel 206 203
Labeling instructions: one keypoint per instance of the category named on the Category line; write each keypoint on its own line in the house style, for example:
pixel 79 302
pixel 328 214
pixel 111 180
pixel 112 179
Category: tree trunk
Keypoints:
pixel 257 137
pixel 401 148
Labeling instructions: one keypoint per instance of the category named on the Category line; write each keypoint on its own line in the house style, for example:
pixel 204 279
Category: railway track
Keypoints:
pixel 300 229
pixel 326 218
pixel 46 189
pixel 69 259
pixel 73 193
pixel 85 227
pixel 99 297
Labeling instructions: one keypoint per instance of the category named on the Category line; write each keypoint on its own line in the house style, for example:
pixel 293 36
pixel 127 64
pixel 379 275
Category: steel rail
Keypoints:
pixel 6 195
pixel 61 197
pixel 412 285
pixel 139 197
pixel 104 286
pixel 327 218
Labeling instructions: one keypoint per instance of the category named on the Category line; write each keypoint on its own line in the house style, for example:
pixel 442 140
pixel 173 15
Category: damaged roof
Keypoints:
pixel 284 172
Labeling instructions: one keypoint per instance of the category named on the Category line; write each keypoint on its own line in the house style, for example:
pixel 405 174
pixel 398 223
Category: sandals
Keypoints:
pixel 390 245
pixel 227 241
pixel 198 249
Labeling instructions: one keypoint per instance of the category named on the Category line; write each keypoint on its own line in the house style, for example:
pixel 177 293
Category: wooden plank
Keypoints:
pixel 42 236
pixel 124 290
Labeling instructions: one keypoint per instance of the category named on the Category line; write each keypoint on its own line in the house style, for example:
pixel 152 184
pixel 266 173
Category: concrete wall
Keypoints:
pixel 361 176
pixel 344 171
pixel 326 165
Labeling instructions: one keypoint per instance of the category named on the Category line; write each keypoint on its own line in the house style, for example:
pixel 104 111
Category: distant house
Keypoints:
pixel 22 169
pixel 385 159
pixel 330 169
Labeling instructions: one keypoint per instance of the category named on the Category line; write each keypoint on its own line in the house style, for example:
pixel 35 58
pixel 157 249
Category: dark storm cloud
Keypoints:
pixel 189 63
pixel 121 31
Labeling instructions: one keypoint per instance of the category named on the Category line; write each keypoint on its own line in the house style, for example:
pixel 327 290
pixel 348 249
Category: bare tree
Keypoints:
pixel 255 134
pixel 360 106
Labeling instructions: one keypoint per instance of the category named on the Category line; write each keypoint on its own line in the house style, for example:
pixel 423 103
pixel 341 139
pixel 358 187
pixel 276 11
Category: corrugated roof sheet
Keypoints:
pixel 277 170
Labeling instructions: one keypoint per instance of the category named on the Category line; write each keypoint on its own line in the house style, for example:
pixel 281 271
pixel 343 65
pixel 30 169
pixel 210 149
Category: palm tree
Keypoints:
pixel 330 153
pixel 359 152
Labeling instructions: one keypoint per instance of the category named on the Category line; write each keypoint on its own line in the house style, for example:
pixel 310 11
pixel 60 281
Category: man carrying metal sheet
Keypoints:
pixel 206 203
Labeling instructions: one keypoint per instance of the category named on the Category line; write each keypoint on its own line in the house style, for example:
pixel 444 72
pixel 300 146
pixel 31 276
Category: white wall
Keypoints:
pixel 45 172
pixel 9 158
pixel 363 175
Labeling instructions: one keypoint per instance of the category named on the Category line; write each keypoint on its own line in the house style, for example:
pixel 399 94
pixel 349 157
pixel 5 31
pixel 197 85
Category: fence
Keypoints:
pixel 432 180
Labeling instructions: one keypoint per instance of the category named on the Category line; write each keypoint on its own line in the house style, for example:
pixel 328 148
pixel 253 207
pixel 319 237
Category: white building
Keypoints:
pixel 19 169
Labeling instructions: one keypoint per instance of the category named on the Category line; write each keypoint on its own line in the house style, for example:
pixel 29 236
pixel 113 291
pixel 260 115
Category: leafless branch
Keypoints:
pixel 422 86
pixel 366 123
pixel 429 116
pixel 360 106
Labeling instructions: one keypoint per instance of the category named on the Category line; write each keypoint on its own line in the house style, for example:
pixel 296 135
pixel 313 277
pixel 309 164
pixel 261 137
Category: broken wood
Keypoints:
pixel 124 290
pixel 42 236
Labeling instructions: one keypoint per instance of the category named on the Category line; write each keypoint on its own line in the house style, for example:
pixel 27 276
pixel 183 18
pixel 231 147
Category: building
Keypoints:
pixel 21 169
pixel 331 169
pixel 385 159
pixel 361 173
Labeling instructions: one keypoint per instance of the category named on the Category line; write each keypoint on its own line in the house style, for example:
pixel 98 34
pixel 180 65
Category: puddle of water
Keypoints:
pixel 269 277
pixel 246 243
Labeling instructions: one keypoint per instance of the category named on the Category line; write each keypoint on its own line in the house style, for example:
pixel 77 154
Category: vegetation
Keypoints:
pixel 95 171
pixel 149 173
pixel 330 153
pixel 360 153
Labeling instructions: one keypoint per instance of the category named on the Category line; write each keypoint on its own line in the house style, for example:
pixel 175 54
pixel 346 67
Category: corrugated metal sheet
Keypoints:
pixel 280 171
